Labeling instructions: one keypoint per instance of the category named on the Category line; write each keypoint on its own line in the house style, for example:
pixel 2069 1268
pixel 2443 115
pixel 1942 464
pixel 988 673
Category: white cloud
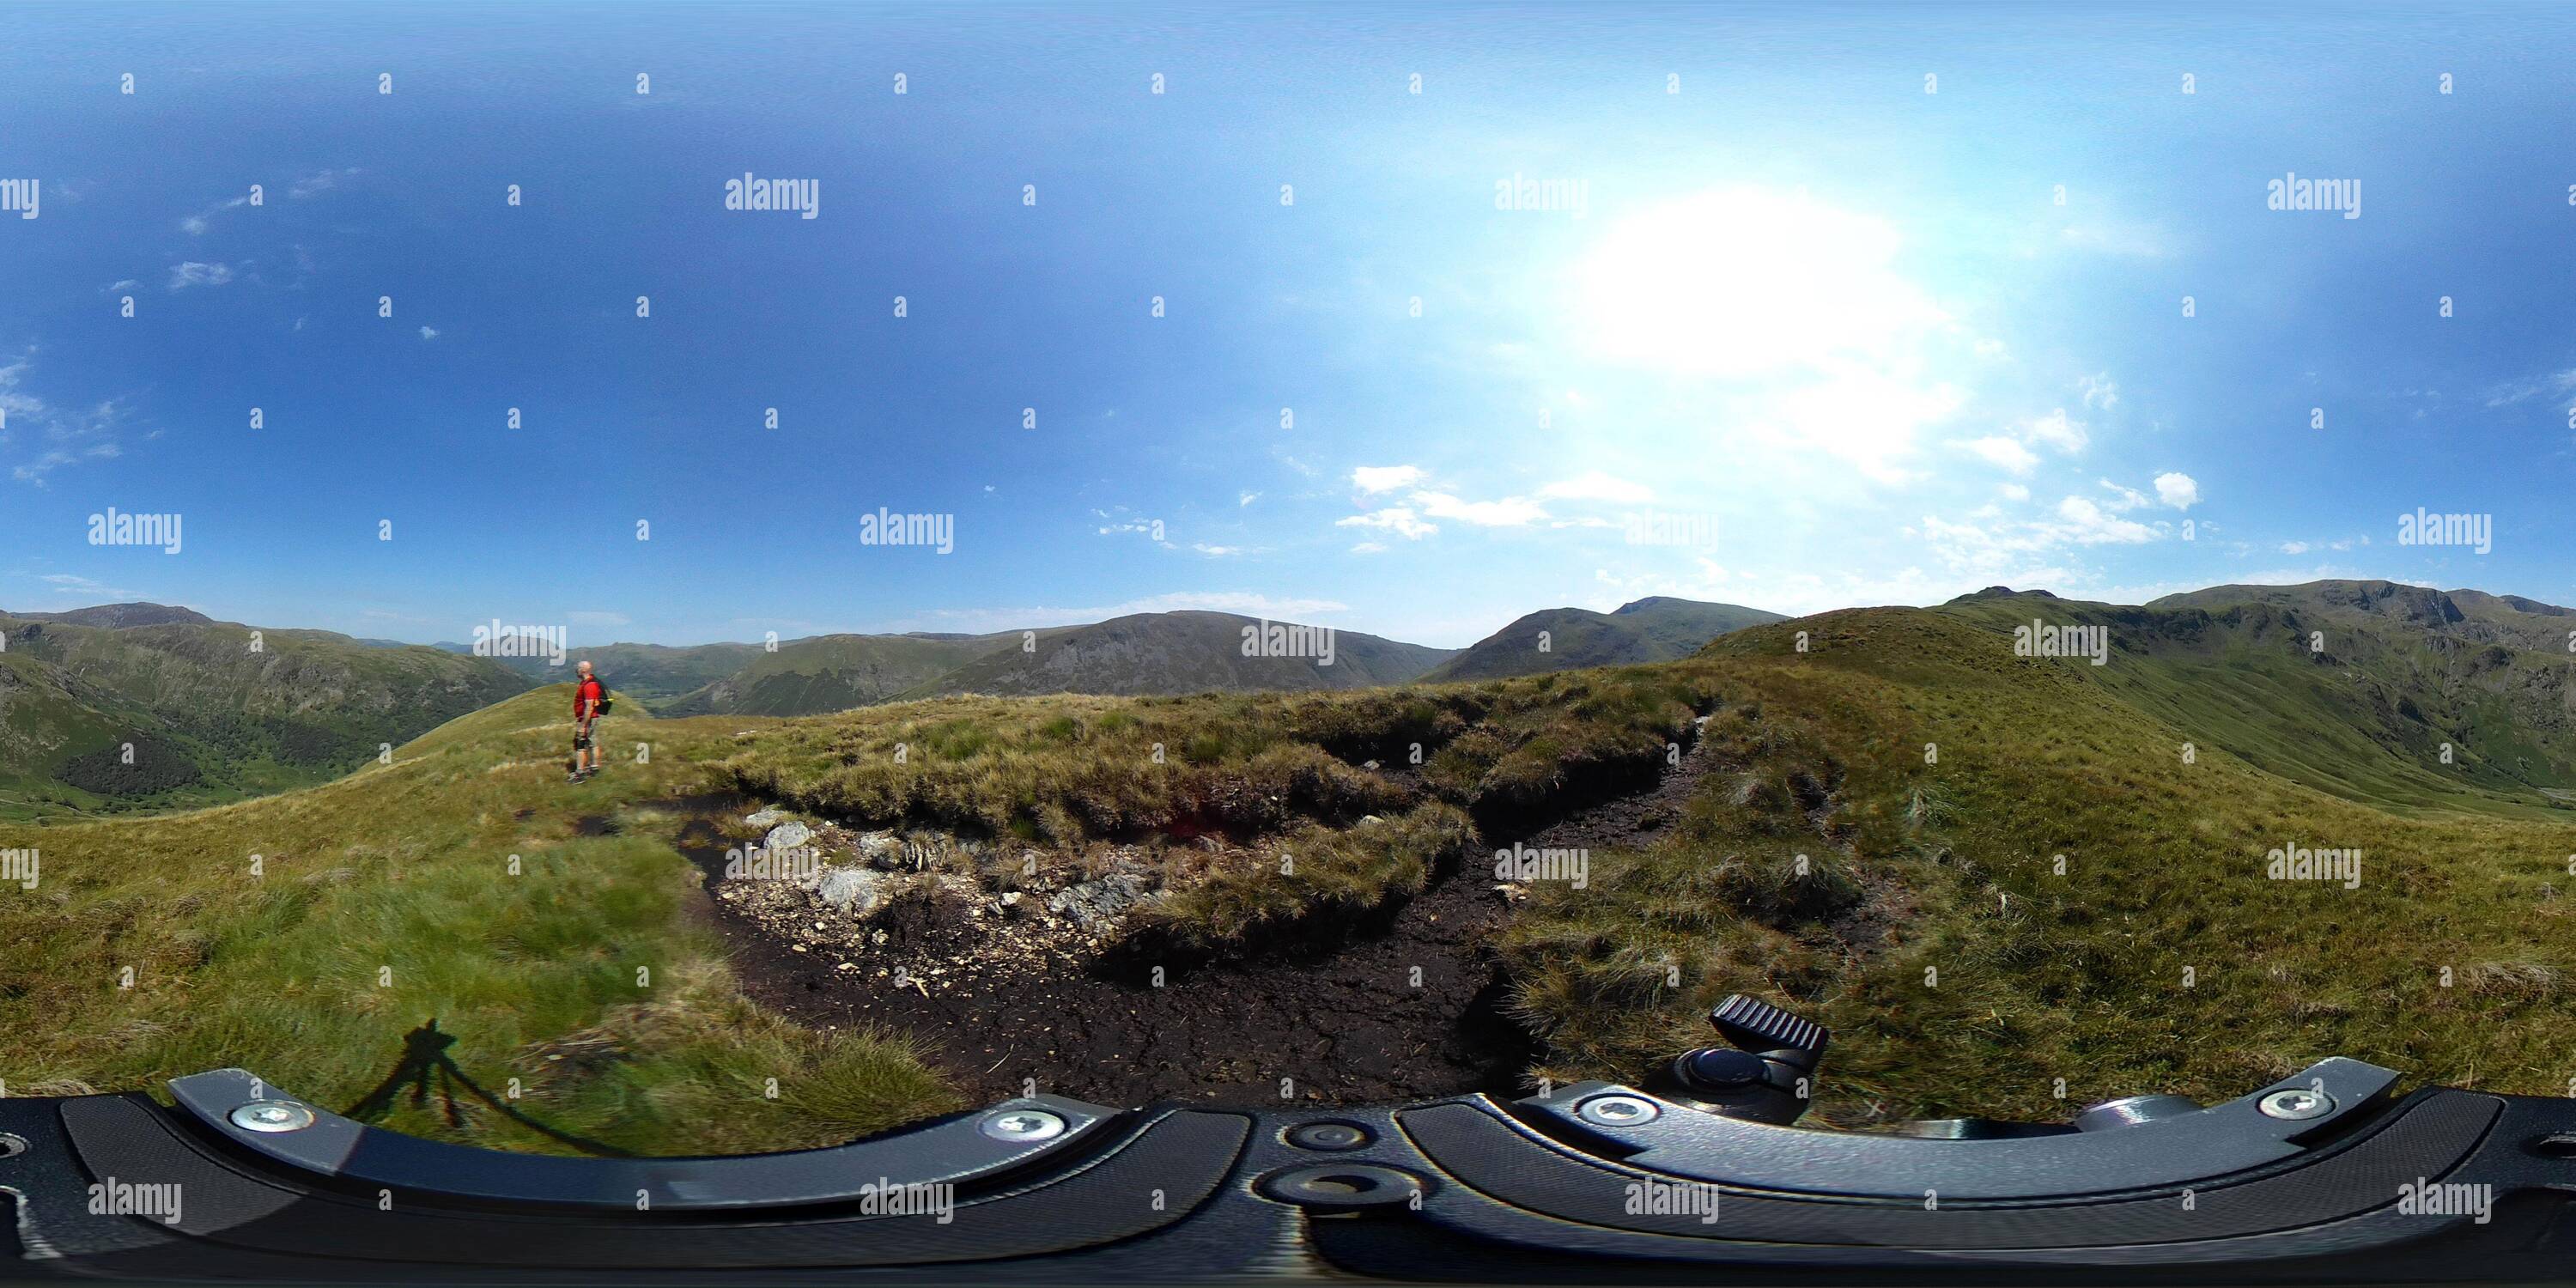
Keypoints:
pixel 2099 391
pixel 2514 391
pixel 2014 492
pixel 1510 512
pixel 428 333
pixel 1246 499
pixel 1593 485
pixel 1369 548
pixel 2180 491
pixel 2055 430
pixel 2088 524
pixel 1400 520
pixel 70 584
pixel 1215 551
pixel 2124 499
pixel 2003 453
pixel 318 182
pixel 1372 479
pixel 192 273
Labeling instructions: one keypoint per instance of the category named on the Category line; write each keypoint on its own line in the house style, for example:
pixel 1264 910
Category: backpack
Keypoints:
pixel 605 701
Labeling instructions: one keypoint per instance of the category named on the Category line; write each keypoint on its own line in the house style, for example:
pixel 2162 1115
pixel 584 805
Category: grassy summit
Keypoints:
pixel 1987 873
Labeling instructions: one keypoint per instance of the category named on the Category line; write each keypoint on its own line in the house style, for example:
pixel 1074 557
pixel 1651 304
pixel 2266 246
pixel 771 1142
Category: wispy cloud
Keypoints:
pixel 1373 479
pixel 319 182
pixel 1398 519
pixel 192 273
pixel 69 435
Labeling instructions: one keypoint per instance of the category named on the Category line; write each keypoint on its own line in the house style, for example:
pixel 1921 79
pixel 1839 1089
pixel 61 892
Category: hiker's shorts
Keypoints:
pixel 581 735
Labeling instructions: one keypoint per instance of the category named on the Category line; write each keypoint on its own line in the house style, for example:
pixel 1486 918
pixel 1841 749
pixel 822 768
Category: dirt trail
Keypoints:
pixel 1403 1008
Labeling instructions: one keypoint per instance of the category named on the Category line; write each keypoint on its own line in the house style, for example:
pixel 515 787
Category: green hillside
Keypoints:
pixel 1562 639
pixel 2353 687
pixel 829 673
pixel 181 711
pixel 655 673
pixel 1985 872
pixel 1176 653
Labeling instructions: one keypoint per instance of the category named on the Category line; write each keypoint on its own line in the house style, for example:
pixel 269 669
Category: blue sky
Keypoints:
pixel 1831 339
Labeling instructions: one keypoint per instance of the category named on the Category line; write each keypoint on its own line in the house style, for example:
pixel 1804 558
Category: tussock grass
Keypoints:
pixel 1310 881
pixel 1964 969
pixel 386 899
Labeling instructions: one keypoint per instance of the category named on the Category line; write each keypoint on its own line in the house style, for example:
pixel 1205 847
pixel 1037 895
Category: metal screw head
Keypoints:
pixel 1022 1125
pixel 271 1116
pixel 2296 1104
pixel 1617 1111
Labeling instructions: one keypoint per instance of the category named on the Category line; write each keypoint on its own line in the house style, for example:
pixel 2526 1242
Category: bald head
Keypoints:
pixel 584 668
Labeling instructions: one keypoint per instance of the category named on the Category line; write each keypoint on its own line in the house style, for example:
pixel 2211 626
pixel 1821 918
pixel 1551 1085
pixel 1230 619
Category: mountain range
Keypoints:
pixel 121 707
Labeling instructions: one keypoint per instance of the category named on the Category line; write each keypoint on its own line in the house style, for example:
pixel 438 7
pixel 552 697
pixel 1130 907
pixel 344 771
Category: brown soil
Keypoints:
pixel 1003 999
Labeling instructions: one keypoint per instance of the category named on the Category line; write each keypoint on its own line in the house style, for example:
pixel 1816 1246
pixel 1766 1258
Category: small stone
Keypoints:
pixel 787 836
pixel 765 818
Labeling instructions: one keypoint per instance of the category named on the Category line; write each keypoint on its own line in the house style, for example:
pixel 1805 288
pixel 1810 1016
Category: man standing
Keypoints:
pixel 589 697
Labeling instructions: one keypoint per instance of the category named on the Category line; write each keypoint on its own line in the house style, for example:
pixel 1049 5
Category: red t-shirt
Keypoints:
pixel 585 697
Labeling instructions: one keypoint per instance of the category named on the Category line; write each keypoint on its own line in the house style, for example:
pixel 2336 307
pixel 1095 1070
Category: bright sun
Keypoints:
pixel 1745 282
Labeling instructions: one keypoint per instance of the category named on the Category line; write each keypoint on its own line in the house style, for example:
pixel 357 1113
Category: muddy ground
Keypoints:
pixel 1006 995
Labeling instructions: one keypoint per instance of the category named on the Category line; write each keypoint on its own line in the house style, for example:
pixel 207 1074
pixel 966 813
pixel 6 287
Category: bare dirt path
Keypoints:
pixel 1405 1006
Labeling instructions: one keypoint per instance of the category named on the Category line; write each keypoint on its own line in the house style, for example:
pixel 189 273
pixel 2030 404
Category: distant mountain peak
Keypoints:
pixel 118 616
pixel 2003 592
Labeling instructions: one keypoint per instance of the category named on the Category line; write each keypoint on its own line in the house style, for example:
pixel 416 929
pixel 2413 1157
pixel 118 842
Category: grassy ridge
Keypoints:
pixel 388 898
pixel 1964 974
pixel 1876 842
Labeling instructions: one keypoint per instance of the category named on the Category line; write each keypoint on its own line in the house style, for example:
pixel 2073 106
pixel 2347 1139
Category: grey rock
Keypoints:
pixel 1092 902
pixel 787 836
pixel 852 890
pixel 769 817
